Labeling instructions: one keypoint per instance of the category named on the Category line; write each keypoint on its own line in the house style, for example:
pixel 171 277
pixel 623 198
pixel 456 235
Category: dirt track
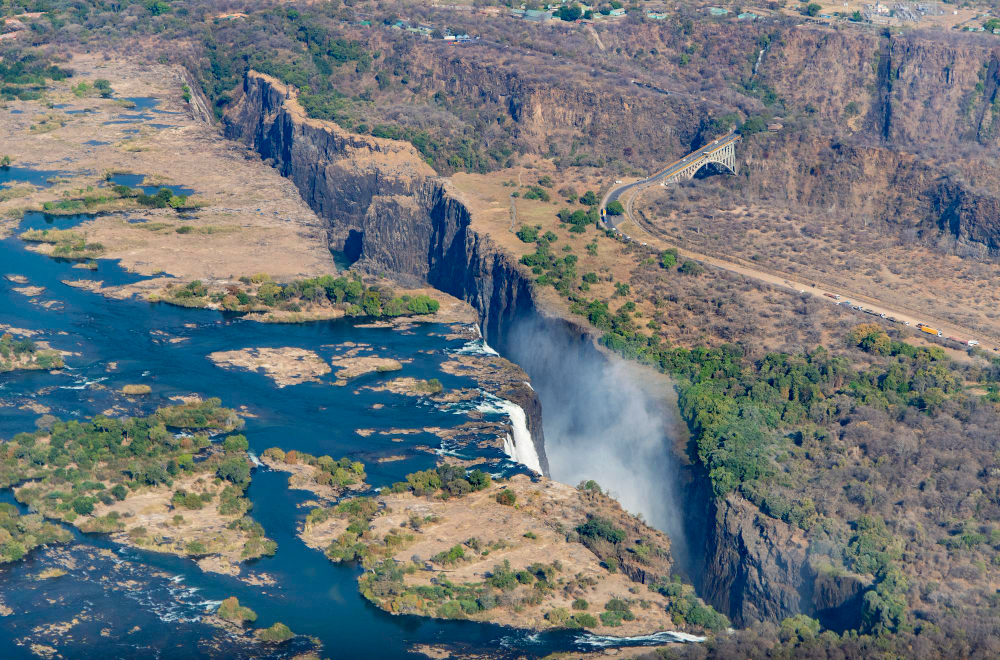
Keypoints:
pixel 640 231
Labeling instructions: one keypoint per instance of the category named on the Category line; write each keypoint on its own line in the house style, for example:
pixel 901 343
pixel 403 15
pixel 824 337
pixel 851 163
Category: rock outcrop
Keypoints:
pixel 388 212
pixel 757 569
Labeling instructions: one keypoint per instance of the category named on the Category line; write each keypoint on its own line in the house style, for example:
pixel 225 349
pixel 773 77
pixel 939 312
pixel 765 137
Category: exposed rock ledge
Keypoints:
pixel 285 366
pixel 385 207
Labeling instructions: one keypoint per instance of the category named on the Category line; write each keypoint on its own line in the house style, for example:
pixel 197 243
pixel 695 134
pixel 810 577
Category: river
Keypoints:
pixel 124 602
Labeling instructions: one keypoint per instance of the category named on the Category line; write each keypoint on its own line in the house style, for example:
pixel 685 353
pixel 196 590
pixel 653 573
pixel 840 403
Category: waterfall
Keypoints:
pixel 760 56
pixel 520 447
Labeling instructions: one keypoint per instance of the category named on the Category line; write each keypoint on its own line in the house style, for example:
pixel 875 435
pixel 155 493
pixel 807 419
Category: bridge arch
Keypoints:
pixel 725 157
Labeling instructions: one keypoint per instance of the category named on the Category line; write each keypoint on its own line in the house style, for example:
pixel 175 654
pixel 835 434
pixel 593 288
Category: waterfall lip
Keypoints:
pixel 476 346
pixel 518 445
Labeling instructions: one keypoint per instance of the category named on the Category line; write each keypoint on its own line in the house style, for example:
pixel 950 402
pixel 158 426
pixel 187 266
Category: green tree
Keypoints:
pixel 571 13
pixel 668 258
pixel 871 338
pixel 616 208
pixel 528 234
pixel 236 470
pixel 753 125
pixel 812 9
pixel 104 87
pixel 236 443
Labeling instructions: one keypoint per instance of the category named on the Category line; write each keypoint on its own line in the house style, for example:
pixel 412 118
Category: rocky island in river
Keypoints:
pixel 366 329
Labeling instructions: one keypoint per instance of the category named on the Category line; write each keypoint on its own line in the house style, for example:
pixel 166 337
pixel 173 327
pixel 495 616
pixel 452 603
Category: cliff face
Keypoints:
pixel 898 128
pixel 386 209
pixel 756 569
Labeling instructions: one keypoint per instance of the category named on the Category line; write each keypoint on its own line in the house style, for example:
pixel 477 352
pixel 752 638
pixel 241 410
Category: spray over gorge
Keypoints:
pixel 383 328
pixel 608 421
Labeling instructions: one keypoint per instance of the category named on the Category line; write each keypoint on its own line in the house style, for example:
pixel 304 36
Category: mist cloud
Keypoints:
pixel 602 422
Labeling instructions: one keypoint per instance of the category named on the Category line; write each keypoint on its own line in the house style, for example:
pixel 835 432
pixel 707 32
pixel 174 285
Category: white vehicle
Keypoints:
pixel 973 342
pixel 618 181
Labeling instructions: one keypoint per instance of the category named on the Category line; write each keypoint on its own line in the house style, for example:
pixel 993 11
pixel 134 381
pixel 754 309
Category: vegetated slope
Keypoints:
pixel 751 412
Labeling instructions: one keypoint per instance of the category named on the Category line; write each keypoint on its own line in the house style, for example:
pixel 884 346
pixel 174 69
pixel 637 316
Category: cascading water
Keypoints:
pixel 519 445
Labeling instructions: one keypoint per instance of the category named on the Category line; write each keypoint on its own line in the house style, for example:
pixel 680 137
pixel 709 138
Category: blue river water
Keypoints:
pixel 134 603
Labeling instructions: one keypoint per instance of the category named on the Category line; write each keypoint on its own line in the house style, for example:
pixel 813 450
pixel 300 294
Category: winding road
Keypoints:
pixel 619 189
pixel 629 191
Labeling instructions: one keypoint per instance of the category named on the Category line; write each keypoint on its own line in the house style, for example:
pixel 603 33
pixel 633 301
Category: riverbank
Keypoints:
pixel 527 553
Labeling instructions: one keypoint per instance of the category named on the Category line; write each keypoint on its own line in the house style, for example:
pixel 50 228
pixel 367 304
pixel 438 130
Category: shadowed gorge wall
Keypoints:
pixel 380 197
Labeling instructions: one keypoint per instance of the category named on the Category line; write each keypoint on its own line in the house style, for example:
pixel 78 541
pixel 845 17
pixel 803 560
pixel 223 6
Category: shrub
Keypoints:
pixel 611 619
pixel 597 527
pixel 580 604
pixel 507 497
pixel 276 634
pixel 528 234
pixel 448 557
pixel 690 267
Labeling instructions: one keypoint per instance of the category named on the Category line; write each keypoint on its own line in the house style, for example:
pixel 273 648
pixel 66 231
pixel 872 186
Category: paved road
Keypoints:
pixel 620 189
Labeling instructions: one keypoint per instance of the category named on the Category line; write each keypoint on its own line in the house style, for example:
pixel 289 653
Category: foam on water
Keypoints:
pixel 519 445
pixel 662 637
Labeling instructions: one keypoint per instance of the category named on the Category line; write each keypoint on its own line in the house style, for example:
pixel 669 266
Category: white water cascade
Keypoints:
pixel 520 447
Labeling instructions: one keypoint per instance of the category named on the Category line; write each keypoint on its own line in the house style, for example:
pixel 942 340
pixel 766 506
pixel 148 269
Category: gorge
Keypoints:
pixel 601 419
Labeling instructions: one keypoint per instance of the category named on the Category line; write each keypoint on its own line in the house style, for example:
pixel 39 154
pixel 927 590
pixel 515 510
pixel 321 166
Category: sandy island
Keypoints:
pixel 285 366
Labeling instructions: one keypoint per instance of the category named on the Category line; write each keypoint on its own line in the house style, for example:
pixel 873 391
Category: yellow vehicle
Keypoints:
pixel 929 330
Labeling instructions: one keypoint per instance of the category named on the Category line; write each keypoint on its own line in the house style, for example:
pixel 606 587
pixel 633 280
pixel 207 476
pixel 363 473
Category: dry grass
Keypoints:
pixel 834 253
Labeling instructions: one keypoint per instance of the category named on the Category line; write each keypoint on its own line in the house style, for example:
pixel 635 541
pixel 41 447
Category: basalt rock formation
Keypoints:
pixel 387 211
pixel 756 569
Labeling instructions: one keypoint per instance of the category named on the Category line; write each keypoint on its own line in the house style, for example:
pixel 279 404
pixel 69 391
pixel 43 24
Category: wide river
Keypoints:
pixel 121 602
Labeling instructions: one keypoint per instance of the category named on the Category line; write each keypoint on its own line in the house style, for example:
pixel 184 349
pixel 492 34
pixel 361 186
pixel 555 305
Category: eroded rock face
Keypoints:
pixel 757 569
pixel 385 208
pixel 754 565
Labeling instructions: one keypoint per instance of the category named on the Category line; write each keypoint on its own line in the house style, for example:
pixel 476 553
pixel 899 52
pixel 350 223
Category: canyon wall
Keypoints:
pixel 756 568
pixel 896 129
pixel 386 209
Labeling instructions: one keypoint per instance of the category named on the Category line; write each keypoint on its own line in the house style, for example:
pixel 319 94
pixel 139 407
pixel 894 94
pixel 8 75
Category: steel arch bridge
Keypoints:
pixel 722 152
